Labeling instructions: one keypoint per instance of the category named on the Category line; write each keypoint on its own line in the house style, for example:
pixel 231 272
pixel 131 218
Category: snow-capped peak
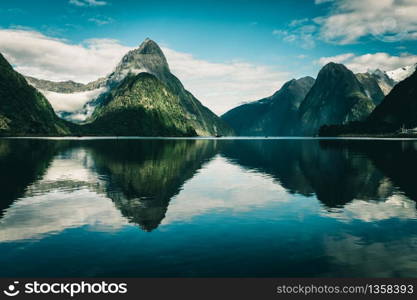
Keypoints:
pixel 401 73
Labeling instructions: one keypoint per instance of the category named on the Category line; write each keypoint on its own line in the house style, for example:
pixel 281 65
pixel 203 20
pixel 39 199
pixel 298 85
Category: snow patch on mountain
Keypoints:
pixel 401 73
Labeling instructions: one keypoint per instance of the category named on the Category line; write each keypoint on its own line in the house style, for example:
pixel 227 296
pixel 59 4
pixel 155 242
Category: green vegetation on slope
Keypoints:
pixel 141 105
pixel 23 110
pixel 150 57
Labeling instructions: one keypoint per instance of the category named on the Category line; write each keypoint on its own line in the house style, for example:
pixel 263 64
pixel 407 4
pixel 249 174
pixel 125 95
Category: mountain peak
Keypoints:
pixel 334 66
pixel 306 80
pixel 334 72
pixel 336 97
pixel 296 85
pixel 147 58
pixel 149 46
pixel 377 72
pixel 401 73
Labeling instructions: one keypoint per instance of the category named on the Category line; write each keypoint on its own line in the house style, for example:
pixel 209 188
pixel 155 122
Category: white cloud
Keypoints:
pixel 220 86
pixel 350 20
pixel 363 63
pixel 101 20
pixel 395 206
pixel 71 102
pixel 47 208
pixel 381 61
pixel 336 59
pixel 372 255
pixel 298 22
pixel 87 2
pixel 55 211
pixel 233 192
pixel 300 32
pixel 37 55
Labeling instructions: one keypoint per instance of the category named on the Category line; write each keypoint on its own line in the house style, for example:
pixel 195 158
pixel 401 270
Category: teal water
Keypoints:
pixel 208 207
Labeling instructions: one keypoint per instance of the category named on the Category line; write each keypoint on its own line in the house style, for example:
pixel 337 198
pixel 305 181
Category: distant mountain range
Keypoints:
pixel 65 87
pixel 301 107
pixel 396 115
pixel 140 97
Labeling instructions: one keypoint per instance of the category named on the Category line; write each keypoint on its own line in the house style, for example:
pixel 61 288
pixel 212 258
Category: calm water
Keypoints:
pixel 195 208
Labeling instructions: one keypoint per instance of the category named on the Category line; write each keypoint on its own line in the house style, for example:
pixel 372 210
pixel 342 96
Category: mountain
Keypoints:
pixel 68 98
pixel 276 115
pixel 24 110
pixel 188 117
pixel 336 97
pixel 189 113
pixel 384 81
pixel 400 74
pixel 371 87
pixel 398 109
pixel 142 106
pixel 147 58
pixel 64 87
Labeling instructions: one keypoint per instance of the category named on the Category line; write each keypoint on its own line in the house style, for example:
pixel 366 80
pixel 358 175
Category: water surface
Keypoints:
pixel 208 207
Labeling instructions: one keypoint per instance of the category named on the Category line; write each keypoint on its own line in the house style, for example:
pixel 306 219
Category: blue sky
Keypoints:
pixel 283 39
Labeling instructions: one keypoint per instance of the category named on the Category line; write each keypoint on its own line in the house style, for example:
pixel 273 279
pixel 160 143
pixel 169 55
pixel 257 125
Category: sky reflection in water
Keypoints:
pixel 208 208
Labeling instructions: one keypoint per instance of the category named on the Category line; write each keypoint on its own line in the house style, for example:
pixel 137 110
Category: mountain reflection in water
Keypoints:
pixel 208 207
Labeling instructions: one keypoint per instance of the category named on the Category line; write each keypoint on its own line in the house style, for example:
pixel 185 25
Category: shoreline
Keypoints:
pixel 344 137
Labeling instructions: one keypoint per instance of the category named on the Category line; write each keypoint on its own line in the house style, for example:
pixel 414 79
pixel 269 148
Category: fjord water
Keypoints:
pixel 208 207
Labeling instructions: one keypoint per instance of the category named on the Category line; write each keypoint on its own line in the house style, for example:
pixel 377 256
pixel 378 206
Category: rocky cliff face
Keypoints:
pixel 276 115
pixel 371 87
pixel 337 97
pixel 384 81
pixel 65 87
pixel 397 110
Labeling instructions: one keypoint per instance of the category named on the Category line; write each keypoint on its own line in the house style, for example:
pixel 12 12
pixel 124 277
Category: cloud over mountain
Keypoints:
pixel 363 63
pixel 220 86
